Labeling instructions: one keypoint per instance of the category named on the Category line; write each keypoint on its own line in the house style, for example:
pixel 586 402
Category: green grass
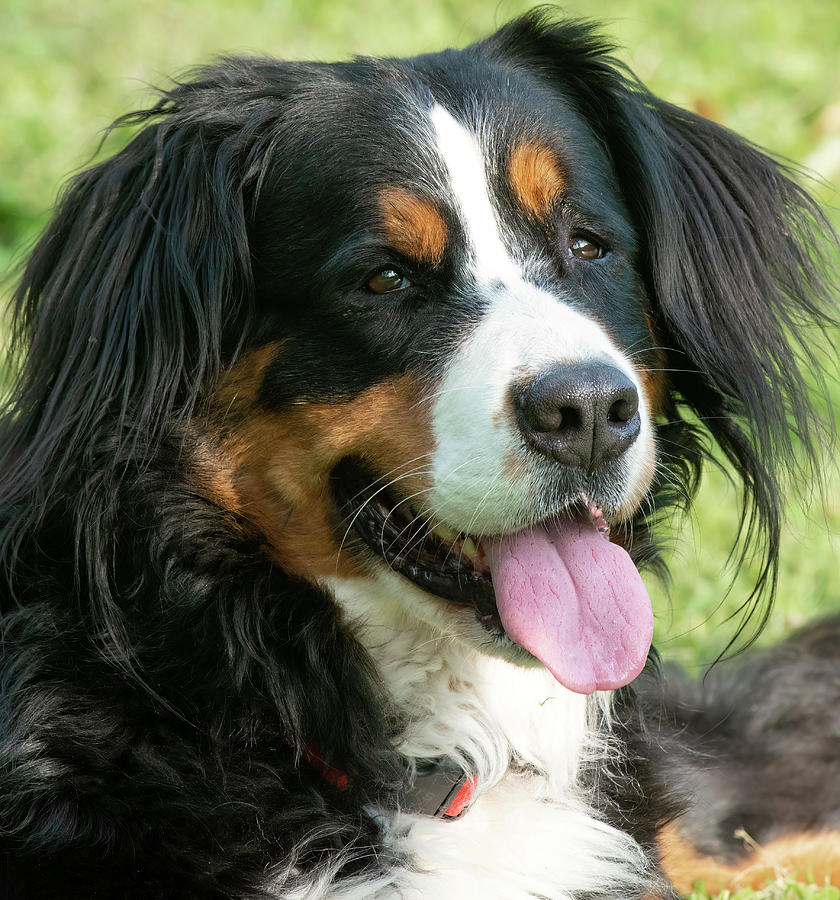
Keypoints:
pixel 781 889
pixel 766 69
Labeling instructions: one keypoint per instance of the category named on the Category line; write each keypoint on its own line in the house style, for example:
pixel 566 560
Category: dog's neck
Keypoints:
pixel 483 712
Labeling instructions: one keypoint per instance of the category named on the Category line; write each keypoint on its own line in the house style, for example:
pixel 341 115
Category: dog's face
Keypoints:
pixel 434 326
pixel 454 344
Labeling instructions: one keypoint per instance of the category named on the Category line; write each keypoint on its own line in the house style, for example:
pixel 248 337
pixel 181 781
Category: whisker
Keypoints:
pixel 402 465
pixel 413 521
pixel 369 499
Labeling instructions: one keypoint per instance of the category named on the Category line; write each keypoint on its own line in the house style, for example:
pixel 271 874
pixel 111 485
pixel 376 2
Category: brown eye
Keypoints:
pixel 585 249
pixel 386 281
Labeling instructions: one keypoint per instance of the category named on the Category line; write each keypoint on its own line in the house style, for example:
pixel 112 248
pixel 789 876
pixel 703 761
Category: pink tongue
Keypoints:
pixel 575 601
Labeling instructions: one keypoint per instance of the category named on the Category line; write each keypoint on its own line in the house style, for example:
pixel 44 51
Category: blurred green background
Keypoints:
pixel 769 70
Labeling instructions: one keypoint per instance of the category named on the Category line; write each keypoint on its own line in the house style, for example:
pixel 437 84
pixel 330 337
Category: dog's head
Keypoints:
pixel 435 323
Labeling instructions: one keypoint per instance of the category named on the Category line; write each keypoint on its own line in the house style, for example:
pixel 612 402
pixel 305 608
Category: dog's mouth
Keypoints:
pixel 451 565
pixel 559 588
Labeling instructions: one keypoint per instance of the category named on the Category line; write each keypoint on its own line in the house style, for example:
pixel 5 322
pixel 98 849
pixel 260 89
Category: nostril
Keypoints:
pixel 569 419
pixel 543 415
pixel 566 418
pixel 622 410
pixel 617 413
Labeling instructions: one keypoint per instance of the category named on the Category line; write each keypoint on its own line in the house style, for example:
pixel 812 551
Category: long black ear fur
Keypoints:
pixel 142 270
pixel 121 310
pixel 737 259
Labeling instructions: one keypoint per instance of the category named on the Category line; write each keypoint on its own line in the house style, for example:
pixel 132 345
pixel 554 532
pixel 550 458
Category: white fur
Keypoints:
pixel 528 831
pixel 485 480
pixel 463 159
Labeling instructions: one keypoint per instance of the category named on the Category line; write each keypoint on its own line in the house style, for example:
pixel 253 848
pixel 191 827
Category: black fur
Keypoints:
pixel 160 678
pixel 753 748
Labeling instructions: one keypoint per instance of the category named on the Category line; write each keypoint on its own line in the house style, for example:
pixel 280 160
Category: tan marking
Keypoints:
pixel 239 386
pixel 272 470
pixel 236 397
pixel 215 477
pixel 654 387
pixel 644 479
pixel 536 178
pixel 515 465
pixel 654 379
pixel 813 856
pixel 413 225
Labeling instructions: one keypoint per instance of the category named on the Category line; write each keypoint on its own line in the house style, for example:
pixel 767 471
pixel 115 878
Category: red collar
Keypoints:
pixel 441 787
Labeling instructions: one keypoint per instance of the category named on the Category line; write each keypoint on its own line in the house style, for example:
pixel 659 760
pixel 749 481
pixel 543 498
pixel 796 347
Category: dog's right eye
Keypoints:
pixel 583 248
pixel 387 281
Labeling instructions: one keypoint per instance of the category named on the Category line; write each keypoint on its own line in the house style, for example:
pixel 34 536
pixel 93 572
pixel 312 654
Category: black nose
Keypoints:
pixel 580 414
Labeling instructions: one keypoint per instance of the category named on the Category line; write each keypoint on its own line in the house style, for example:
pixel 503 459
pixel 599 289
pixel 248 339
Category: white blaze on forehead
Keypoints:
pixel 485 480
pixel 461 153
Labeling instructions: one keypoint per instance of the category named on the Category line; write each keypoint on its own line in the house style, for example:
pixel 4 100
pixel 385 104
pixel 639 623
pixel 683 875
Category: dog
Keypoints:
pixel 349 397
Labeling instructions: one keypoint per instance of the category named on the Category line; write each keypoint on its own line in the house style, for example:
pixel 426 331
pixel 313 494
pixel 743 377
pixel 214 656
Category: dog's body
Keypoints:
pixel 751 750
pixel 351 389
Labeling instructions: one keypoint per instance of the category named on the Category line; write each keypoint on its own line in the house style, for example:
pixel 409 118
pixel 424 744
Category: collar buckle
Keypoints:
pixel 441 789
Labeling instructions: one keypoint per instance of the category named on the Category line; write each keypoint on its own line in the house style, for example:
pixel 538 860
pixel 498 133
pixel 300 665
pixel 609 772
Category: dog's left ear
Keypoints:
pixel 734 253
pixel 123 310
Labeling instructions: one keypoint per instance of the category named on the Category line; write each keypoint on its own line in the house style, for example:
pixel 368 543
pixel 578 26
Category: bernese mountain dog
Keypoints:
pixel 349 397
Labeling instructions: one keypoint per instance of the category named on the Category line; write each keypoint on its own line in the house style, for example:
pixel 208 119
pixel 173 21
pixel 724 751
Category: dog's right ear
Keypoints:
pixel 124 307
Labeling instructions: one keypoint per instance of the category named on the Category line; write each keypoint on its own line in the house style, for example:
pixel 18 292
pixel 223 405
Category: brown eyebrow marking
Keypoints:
pixel 536 178
pixel 413 225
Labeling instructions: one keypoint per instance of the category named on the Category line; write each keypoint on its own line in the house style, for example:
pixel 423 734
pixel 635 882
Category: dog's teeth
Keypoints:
pixel 444 532
pixel 468 548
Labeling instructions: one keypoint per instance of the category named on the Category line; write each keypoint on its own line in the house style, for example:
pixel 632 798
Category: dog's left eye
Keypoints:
pixel 387 281
pixel 583 248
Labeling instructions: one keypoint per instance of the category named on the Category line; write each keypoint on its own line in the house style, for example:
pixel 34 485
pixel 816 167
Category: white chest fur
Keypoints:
pixel 528 832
